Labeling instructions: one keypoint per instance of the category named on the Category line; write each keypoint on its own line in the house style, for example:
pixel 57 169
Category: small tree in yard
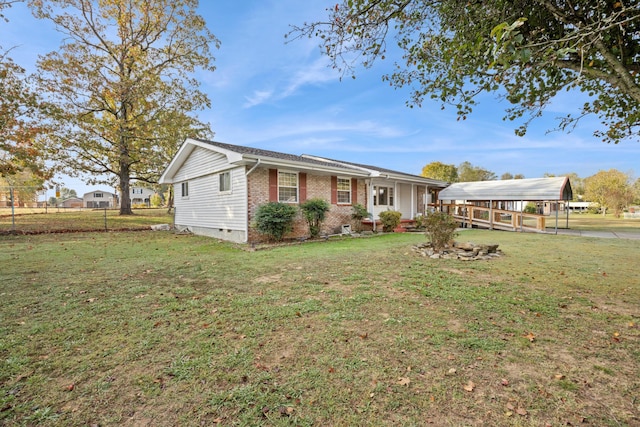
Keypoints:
pixel 440 229
pixel 274 220
pixel 315 211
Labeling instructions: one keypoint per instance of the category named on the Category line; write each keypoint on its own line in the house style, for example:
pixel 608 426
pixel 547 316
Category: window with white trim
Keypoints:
pixel 184 189
pixel 225 181
pixel 287 187
pixel 382 196
pixel 344 190
pixel 98 195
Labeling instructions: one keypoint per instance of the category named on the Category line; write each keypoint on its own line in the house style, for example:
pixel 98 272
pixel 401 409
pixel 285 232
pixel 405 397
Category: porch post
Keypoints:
pixel 414 196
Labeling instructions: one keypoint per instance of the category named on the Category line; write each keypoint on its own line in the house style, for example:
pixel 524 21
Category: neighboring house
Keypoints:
pixel 99 199
pixel 218 188
pixel 72 202
pixel 141 195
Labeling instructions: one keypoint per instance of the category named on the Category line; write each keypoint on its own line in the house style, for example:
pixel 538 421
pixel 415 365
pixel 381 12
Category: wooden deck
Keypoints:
pixel 495 219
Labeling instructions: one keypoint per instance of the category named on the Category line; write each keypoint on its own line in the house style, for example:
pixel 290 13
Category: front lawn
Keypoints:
pixel 153 328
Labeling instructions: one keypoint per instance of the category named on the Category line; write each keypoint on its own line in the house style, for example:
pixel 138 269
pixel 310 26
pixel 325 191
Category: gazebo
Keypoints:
pixel 501 204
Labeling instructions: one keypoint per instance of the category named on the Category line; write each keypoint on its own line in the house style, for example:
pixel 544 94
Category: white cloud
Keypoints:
pixel 259 97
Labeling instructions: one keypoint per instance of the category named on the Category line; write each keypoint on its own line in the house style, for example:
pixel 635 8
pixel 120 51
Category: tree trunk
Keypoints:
pixel 125 193
pixel 170 199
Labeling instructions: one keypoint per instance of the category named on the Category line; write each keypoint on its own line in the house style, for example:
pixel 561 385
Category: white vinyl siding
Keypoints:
pixel 207 207
pixel 200 162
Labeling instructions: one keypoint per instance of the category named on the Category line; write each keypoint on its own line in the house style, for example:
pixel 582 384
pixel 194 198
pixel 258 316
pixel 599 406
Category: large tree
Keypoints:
pixel 524 50
pixel 468 173
pixel 611 189
pixel 124 82
pixel 441 171
pixel 20 120
pixel 19 124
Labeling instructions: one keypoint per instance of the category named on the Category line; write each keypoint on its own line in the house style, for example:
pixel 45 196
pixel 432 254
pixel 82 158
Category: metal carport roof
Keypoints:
pixel 532 189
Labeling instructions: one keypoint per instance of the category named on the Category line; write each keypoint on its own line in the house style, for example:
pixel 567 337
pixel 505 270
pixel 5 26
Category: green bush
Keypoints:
pixel 315 211
pixel 390 220
pixel 420 221
pixel 440 229
pixel 358 214
pixel 530 208
pixel 275 219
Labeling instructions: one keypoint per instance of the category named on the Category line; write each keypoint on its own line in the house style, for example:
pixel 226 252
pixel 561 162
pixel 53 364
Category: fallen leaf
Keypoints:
pixel 470 386
pixel 70 387
pixel 521 411
pixel 452 371
pixel 504 382
pixel 530 336
pixel 404 381
pixel 559 376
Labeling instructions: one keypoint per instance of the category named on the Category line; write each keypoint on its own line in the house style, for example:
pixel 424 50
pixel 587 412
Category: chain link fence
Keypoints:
pixel 45 219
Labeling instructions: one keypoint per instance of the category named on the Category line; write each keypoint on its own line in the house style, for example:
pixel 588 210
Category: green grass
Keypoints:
pixel 64 220
pixel 595 222
pixel 152 328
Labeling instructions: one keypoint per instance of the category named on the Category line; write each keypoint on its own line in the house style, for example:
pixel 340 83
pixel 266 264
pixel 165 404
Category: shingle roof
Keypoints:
pixel 258 152
pixel 387 171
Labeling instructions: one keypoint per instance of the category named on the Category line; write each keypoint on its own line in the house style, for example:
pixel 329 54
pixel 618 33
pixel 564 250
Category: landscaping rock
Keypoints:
pixel 465 251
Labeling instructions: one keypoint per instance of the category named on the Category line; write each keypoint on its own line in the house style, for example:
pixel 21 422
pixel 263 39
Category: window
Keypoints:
pixel 225 181
pixel 344 190
pixel 185 189
pixel 98 195
pixel 287 187
pixel 383 196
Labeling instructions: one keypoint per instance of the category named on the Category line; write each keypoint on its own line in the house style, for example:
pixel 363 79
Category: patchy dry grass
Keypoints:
pixel 595 222
pixel 161 329
pixel 63 220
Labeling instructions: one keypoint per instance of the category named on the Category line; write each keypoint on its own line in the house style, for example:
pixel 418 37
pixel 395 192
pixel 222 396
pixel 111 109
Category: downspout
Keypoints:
pixel 253 168
pixel 246 200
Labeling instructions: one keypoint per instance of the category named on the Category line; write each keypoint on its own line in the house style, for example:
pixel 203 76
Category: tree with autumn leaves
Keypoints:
pixel 123 86
pixel 611 190
pixel 525 51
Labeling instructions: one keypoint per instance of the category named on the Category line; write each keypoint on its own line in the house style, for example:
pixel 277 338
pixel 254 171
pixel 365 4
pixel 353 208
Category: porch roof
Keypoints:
pixel 532 189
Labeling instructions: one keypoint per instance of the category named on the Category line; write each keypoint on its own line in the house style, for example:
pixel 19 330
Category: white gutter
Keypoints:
pixel 253 168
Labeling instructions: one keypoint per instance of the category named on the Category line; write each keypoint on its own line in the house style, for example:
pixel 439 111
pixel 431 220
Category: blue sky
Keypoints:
pixel 280 96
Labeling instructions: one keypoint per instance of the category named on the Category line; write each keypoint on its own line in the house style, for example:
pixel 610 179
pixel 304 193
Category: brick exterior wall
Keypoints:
pixel 318 186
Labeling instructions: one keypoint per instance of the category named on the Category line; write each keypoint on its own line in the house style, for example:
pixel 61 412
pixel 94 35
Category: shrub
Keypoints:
pixel 440 229
pixel 315 211
pixel 275 219
pixel 530 208
pixel 390 220
pixel 359 213
pixel 420 221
